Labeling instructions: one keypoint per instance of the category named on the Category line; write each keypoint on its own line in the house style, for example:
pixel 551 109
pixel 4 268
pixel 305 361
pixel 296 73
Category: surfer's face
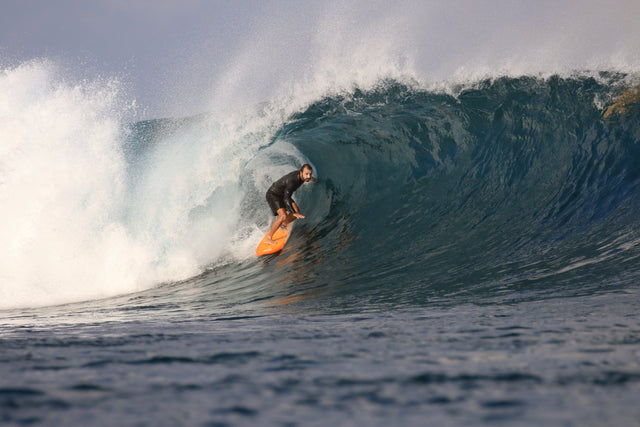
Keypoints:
pixel 305 174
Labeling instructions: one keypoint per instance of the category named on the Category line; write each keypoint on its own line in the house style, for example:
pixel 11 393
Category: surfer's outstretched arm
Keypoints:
pixel 293 215
pixel 296 212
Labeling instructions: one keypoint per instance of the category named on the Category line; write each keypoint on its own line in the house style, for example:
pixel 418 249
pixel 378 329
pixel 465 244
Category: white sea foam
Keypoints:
pixel 77 221
pixel 61 178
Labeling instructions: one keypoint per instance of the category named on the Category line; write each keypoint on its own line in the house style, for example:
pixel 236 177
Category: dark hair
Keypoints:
pixel 306 166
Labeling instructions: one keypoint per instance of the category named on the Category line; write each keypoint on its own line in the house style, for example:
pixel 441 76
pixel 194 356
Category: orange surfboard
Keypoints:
pixel 280 236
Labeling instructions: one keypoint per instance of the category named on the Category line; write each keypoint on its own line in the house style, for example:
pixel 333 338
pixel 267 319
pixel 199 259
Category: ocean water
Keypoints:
pixel 467 258
pixel 470 254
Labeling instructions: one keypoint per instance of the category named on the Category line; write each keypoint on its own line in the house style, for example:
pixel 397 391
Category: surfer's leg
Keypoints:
pixel 282 216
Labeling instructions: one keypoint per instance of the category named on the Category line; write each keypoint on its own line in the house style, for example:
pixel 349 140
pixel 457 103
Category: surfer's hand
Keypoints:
pixel 299 216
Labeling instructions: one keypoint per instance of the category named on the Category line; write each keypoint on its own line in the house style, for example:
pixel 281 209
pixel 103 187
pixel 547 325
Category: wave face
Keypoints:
pixel 513 189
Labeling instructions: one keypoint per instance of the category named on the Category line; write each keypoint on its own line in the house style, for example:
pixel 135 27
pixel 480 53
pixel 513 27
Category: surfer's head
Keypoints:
pixel 306 173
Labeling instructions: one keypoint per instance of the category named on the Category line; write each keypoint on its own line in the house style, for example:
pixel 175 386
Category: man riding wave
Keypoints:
pixel 280 200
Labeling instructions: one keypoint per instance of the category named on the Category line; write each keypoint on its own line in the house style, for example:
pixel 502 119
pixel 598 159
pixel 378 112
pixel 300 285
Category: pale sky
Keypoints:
pixel 146 43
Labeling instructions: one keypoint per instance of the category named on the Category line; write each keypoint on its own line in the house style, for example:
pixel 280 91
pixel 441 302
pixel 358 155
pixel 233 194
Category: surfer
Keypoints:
pixel 280 201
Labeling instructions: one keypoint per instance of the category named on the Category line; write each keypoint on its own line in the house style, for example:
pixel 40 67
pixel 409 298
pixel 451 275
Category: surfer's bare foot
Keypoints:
pixel 270 241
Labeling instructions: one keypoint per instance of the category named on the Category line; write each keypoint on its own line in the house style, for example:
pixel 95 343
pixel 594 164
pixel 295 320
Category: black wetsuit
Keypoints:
pixel 280 192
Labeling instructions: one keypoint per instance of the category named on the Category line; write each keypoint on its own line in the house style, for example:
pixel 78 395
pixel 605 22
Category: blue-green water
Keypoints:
pixel 467 258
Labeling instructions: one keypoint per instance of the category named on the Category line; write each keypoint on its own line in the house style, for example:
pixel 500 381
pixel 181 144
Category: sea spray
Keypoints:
pixel 94 207
pixel 78 221
pixel 61 189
